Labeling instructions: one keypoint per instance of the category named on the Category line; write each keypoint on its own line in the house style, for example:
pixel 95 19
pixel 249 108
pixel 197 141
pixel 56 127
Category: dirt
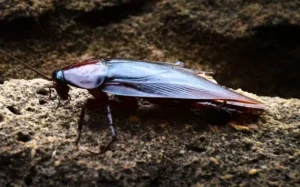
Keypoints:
pixel 249 45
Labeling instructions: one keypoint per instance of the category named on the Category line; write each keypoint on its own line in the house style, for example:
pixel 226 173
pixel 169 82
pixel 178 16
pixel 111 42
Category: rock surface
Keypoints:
pixel 249 45
pixel 155 146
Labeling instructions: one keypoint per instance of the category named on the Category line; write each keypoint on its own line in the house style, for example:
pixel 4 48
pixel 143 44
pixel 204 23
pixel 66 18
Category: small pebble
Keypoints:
pixel 57 163
pixel 252 171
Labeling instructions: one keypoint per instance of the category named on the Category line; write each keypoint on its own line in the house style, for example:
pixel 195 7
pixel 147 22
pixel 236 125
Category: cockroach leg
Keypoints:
pixel 101 99
pixel 69 99
pixel 224 108
pixel 113 132
pixel 50 94
pixel 80 124
pixel 110 120
pixel 220 107
pixel 58 104
pixel 49 86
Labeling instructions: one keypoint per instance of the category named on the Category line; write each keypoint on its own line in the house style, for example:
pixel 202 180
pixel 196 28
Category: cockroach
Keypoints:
pixel 156 82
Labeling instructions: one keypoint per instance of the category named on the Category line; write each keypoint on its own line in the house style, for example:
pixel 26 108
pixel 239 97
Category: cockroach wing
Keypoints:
pixel 153 80
pixel 86 75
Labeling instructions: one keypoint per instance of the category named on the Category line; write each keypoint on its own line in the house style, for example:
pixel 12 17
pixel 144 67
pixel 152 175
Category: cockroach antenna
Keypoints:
pixel 27 65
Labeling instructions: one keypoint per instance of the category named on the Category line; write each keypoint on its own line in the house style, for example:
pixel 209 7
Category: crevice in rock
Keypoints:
pixel 14 110
pixel 23 137
pixel 197 149
pixel 42 91
pixel 1 118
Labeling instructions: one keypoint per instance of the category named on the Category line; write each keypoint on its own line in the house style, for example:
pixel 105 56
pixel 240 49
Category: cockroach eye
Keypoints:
pixel 57 75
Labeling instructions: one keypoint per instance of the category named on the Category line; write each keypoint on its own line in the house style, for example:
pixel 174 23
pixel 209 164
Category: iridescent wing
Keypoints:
pixel 155 80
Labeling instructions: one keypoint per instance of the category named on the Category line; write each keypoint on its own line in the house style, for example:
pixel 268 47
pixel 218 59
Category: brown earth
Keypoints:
pixel 249 45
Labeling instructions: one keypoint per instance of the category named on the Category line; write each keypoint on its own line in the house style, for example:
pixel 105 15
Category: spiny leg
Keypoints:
pixel 113 132
pixel 80 124
pixel 101 100
pixel 65 103
pixel 105 102
pixel 124 102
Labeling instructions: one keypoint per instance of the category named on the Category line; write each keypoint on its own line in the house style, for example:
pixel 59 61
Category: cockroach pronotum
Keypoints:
pixel 156 82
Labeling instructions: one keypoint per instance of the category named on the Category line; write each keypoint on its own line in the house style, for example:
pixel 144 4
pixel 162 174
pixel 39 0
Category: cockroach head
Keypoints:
pixel 61 86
